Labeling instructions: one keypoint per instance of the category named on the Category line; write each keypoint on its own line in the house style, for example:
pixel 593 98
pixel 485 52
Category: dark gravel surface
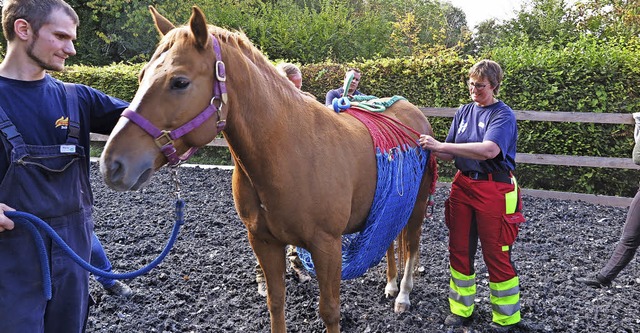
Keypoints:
pixel 207 283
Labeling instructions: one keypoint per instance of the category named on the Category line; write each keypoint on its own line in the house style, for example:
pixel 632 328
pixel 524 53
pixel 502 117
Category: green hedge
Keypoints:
pixel 584 77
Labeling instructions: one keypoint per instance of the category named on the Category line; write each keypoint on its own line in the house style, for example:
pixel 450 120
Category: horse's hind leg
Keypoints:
pixel 391 289
pixel 411 245
pixel 272 260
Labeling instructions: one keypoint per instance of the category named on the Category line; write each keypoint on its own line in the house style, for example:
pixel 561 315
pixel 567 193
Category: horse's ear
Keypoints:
pixel 162 24
pixel 198 25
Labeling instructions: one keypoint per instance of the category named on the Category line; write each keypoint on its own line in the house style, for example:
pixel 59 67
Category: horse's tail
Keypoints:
pixel 432 167
pixel 403 249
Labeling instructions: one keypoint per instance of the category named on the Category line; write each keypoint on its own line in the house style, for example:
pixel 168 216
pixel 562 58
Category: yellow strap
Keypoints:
pixel 511 198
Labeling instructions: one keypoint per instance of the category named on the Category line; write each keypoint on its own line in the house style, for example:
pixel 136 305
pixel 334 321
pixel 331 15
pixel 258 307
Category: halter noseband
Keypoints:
pixel 164 139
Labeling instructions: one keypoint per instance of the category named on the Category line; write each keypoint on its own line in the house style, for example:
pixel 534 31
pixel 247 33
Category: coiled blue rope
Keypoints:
pixel 32 223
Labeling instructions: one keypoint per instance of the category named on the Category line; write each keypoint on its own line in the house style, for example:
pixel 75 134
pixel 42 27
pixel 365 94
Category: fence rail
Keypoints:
pixel 546 159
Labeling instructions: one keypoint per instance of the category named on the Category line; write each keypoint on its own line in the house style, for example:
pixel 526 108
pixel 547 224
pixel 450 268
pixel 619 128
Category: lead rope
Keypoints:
pixel 32 223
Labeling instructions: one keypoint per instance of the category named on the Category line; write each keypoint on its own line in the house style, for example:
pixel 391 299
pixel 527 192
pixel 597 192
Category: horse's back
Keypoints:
pixel 410 115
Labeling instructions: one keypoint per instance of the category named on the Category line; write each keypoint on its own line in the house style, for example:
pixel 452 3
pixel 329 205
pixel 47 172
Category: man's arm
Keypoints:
pixel 328 101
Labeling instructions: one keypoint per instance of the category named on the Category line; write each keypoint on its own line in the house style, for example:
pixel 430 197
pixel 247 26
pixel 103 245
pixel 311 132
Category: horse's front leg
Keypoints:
pixel 327 259
pixel 272 260
pixel 391 289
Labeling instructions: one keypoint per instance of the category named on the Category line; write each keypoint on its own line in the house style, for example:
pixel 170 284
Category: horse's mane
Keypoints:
pixel 181 35
pixel 181 38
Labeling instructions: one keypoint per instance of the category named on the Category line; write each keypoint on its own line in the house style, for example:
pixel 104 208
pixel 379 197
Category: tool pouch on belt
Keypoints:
pixel 512 216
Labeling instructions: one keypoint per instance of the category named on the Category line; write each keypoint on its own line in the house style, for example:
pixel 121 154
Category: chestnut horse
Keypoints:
pixel 304 175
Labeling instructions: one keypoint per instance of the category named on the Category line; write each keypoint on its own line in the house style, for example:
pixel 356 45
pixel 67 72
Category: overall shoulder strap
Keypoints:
pixel 74 112
pixel 9 130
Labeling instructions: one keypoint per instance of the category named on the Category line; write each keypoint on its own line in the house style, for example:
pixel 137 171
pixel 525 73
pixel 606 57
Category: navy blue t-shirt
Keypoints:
pixel 496 123
pixel 337 93
pixel 38 109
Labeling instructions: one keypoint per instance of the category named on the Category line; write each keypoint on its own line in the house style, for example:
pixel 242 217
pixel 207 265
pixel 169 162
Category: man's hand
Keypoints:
pixel 5 222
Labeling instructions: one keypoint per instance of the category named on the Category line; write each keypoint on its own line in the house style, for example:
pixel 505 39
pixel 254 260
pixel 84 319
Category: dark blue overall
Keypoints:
pixel 49 182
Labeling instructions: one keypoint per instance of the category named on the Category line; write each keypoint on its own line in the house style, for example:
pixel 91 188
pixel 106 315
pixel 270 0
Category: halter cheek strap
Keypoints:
pixel 164 139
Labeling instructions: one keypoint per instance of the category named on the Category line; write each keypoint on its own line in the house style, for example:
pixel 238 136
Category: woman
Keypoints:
pixel 484 202
pixel 630 238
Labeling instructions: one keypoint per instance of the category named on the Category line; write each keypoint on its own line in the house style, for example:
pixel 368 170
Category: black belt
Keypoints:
pixel 502 177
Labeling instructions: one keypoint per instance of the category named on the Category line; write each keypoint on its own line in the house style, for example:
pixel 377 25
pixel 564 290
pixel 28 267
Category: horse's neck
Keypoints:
pixel 268 120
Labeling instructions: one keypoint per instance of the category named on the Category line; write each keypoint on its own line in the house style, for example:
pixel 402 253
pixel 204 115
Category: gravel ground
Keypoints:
pixel 206 283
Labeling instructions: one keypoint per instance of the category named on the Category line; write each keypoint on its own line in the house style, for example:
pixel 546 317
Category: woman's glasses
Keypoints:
pixel 477 85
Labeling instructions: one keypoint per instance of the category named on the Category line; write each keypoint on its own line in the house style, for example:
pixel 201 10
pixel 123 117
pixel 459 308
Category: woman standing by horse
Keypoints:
pixel 484 202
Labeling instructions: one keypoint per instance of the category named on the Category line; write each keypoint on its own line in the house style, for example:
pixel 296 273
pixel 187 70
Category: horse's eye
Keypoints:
pixel 179 83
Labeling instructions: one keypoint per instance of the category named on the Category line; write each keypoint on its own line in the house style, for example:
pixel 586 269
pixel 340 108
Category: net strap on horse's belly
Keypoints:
pixel 401 163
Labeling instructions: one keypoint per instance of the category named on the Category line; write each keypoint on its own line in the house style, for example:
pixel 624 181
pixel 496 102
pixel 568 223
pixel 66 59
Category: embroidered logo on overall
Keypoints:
pixel 62 122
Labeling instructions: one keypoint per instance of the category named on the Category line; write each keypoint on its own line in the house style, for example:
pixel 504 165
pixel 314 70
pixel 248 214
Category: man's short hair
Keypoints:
pixel 36 12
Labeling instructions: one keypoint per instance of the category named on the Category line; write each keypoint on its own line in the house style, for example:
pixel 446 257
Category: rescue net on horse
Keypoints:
pixel 401 164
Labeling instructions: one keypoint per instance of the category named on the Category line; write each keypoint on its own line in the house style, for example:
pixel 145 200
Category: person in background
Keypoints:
pixel 293 73
pixel 484 201
pixel 629 241
pixel 352 91
pixel 99 260
pixel 44 167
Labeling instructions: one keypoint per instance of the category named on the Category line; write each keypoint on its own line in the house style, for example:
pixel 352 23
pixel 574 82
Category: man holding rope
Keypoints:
pixel 44 167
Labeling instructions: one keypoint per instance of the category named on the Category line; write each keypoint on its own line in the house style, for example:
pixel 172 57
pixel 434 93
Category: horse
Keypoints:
pixel 304 175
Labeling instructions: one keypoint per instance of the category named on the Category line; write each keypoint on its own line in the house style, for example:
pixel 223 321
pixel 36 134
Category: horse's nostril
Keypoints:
pixel 115 171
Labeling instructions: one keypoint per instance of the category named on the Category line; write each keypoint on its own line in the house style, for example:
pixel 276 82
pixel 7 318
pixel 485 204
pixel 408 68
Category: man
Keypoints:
pixel 353 87
pixel 44 166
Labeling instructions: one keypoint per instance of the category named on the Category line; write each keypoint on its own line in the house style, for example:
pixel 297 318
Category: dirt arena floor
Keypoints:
pixel 207 282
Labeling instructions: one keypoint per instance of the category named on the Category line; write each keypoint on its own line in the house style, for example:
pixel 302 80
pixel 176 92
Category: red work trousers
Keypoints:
pixel 476 209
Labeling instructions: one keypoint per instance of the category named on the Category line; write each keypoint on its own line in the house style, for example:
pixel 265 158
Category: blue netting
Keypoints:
pixel 400 173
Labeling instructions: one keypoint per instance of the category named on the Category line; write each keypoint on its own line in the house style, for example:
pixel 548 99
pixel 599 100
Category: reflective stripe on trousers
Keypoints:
pixel 462 291
pixel 505 301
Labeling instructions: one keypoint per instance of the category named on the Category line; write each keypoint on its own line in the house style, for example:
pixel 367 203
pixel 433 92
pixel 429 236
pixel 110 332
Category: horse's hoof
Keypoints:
pixel 262 289
pixel 390 291
pixel 402 307
pixel 302 276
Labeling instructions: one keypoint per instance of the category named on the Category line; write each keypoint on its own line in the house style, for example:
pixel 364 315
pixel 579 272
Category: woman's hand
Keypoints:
pixel 428 142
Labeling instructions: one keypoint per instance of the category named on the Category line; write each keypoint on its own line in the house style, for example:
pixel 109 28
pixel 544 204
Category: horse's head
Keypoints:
pixel 179 105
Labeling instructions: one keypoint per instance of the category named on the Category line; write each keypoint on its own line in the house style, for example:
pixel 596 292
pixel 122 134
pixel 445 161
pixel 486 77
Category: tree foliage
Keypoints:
pixel 305 31
pixel 308 31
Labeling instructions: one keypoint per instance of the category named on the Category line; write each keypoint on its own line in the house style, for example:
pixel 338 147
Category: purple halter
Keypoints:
pixel 164 139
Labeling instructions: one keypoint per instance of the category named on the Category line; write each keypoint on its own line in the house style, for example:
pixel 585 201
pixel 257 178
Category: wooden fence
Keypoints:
pixel 547 159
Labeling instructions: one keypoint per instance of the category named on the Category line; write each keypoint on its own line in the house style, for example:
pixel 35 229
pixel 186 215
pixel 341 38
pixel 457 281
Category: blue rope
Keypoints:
pixel 31 222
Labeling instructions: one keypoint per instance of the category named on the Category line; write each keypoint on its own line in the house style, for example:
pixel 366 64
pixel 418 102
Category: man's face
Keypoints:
pixel 354 82
pixel 54 42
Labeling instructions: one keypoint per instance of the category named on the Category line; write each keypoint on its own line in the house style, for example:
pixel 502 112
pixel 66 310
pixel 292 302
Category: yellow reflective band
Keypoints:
pixel 459 276
pixel 504 320
pixel 505 285
pixel 505 301
pixel 505 248
pixel 511 198
pixel 462 291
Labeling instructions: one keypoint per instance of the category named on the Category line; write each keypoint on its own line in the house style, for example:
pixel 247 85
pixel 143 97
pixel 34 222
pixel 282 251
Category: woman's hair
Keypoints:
pixel 490 70
pixel 288 69
pixel 36 12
